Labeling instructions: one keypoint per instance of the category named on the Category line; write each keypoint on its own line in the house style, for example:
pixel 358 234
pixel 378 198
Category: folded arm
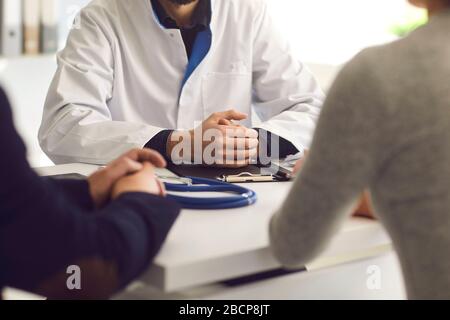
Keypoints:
pixel 45 228
pixel 50 234
pixel 342 162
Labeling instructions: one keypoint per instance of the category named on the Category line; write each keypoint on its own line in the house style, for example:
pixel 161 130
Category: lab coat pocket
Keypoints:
pixel 224 91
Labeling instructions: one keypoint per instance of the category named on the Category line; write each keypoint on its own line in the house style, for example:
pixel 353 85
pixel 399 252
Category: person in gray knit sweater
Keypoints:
pixel 384 128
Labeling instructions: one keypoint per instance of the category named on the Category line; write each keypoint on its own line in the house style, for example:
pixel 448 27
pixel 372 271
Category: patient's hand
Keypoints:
pixel 142 181
pixel 300 163
pixel 365 208
pixel 101 182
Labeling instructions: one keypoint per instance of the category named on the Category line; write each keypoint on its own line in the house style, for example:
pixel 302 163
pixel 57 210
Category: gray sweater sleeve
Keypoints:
pixel 341 163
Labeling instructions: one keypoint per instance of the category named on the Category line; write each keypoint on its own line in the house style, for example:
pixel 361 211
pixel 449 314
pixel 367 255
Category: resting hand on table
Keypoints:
pixel 144 181
pixel 101 183
pixel 223 143
pixel 300 163
pixel 364 208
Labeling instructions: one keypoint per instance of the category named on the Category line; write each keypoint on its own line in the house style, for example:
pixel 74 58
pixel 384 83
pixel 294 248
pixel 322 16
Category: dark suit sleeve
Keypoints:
pixel 44 230
pixel 159 143
pixel 285 147
pixel 48 233
pixel 130 217
pixel 77 191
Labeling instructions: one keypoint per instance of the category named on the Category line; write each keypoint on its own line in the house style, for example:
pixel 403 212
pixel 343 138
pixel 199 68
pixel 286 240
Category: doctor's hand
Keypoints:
pixel 224 143
pixel 101 182
pixel 143 180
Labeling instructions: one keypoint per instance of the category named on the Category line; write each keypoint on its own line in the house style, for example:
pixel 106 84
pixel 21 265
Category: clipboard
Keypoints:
pixel 249 174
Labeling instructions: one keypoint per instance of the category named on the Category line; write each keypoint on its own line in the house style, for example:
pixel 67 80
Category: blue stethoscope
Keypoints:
pixel 243 197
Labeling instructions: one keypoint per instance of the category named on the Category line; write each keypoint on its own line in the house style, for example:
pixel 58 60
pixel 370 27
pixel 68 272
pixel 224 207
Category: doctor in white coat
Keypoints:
pixel 135 72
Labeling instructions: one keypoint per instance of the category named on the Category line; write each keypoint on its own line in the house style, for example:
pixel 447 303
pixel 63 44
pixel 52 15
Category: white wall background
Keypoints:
pixel 332 31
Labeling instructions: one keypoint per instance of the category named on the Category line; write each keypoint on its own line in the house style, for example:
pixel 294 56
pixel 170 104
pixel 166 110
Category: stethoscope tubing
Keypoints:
pixel 245 197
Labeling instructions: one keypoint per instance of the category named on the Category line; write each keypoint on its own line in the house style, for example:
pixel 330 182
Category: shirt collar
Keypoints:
pixel 200 19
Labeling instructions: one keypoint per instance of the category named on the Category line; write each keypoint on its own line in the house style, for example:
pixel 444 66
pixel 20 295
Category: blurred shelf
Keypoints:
pixel 27 56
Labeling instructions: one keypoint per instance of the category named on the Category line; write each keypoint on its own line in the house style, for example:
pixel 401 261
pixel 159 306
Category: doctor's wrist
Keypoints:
pixel 159 143
pixel 175 138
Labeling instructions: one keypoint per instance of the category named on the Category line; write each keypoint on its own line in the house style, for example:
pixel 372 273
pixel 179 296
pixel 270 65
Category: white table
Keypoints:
pixel 205 248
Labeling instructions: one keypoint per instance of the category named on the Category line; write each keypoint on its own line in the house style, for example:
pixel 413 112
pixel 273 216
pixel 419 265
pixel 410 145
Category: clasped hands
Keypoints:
pixel 218 141
pixel 132 172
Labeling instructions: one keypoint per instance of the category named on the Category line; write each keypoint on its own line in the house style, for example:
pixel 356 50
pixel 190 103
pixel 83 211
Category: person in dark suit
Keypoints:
pixel 110 226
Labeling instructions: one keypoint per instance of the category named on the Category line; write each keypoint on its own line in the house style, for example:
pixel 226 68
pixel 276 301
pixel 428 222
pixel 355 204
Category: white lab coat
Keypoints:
pixel 118 82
